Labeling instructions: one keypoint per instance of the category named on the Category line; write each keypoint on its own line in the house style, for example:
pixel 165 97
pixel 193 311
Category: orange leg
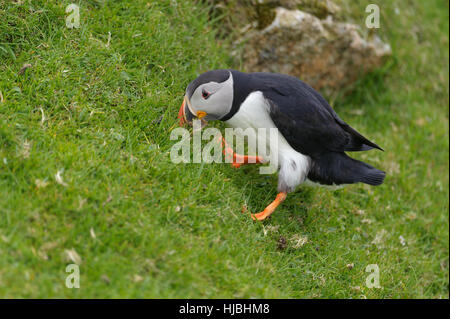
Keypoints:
pixel 271 208
pixel 238 159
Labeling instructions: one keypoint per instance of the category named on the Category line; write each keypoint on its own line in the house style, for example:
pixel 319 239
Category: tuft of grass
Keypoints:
pixel 97 110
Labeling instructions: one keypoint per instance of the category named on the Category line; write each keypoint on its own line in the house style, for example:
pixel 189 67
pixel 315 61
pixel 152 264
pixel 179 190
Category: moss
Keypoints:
pixel 265 15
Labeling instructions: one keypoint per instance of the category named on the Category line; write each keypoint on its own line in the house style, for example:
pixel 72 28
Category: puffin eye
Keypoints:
pixel 205 94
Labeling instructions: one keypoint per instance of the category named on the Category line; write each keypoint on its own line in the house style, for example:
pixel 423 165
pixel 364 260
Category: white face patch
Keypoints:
pixel 213 98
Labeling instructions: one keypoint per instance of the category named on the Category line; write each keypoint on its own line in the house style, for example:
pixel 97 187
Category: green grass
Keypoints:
pixel 145 227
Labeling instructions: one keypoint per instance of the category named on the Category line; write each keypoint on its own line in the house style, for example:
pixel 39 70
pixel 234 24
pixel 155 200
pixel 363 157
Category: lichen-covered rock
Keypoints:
pixel 327 55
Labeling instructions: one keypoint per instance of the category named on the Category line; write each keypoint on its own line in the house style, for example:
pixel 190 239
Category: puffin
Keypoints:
pixel 312 138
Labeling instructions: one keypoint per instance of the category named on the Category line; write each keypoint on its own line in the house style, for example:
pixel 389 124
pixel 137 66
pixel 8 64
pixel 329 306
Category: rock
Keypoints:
pixel 263 13
pixel 327 55
pixel 319 8
pixel 260 13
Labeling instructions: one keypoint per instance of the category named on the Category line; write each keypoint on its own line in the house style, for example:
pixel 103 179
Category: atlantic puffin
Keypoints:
pixel 312 140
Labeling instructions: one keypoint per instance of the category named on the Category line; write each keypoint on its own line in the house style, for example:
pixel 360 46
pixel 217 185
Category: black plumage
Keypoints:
pixel 311 127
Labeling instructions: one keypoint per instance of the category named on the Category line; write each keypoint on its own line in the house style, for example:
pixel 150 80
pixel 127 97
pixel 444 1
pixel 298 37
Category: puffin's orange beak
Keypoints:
pixel 181 113
pixel 185 115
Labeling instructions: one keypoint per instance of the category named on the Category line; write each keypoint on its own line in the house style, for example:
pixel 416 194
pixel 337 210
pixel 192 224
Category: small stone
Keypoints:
pixel 282 243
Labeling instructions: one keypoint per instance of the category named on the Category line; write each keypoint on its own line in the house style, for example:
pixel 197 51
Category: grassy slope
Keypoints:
pixel 101 106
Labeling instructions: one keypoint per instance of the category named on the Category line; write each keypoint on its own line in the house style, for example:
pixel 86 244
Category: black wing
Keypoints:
pixel 306 120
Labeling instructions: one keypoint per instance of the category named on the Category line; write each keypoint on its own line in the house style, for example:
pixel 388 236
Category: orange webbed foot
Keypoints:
pixel 237 159
pixel 271 208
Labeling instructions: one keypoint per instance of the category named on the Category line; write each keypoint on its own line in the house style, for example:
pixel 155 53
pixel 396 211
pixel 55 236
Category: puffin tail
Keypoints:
pixel 338 168
pixel 358 142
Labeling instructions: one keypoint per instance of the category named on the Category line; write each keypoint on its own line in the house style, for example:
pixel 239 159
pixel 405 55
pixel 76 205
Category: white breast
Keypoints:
pixel 254 114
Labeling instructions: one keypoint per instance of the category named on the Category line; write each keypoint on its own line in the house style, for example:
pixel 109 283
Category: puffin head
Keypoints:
pixel 209 97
